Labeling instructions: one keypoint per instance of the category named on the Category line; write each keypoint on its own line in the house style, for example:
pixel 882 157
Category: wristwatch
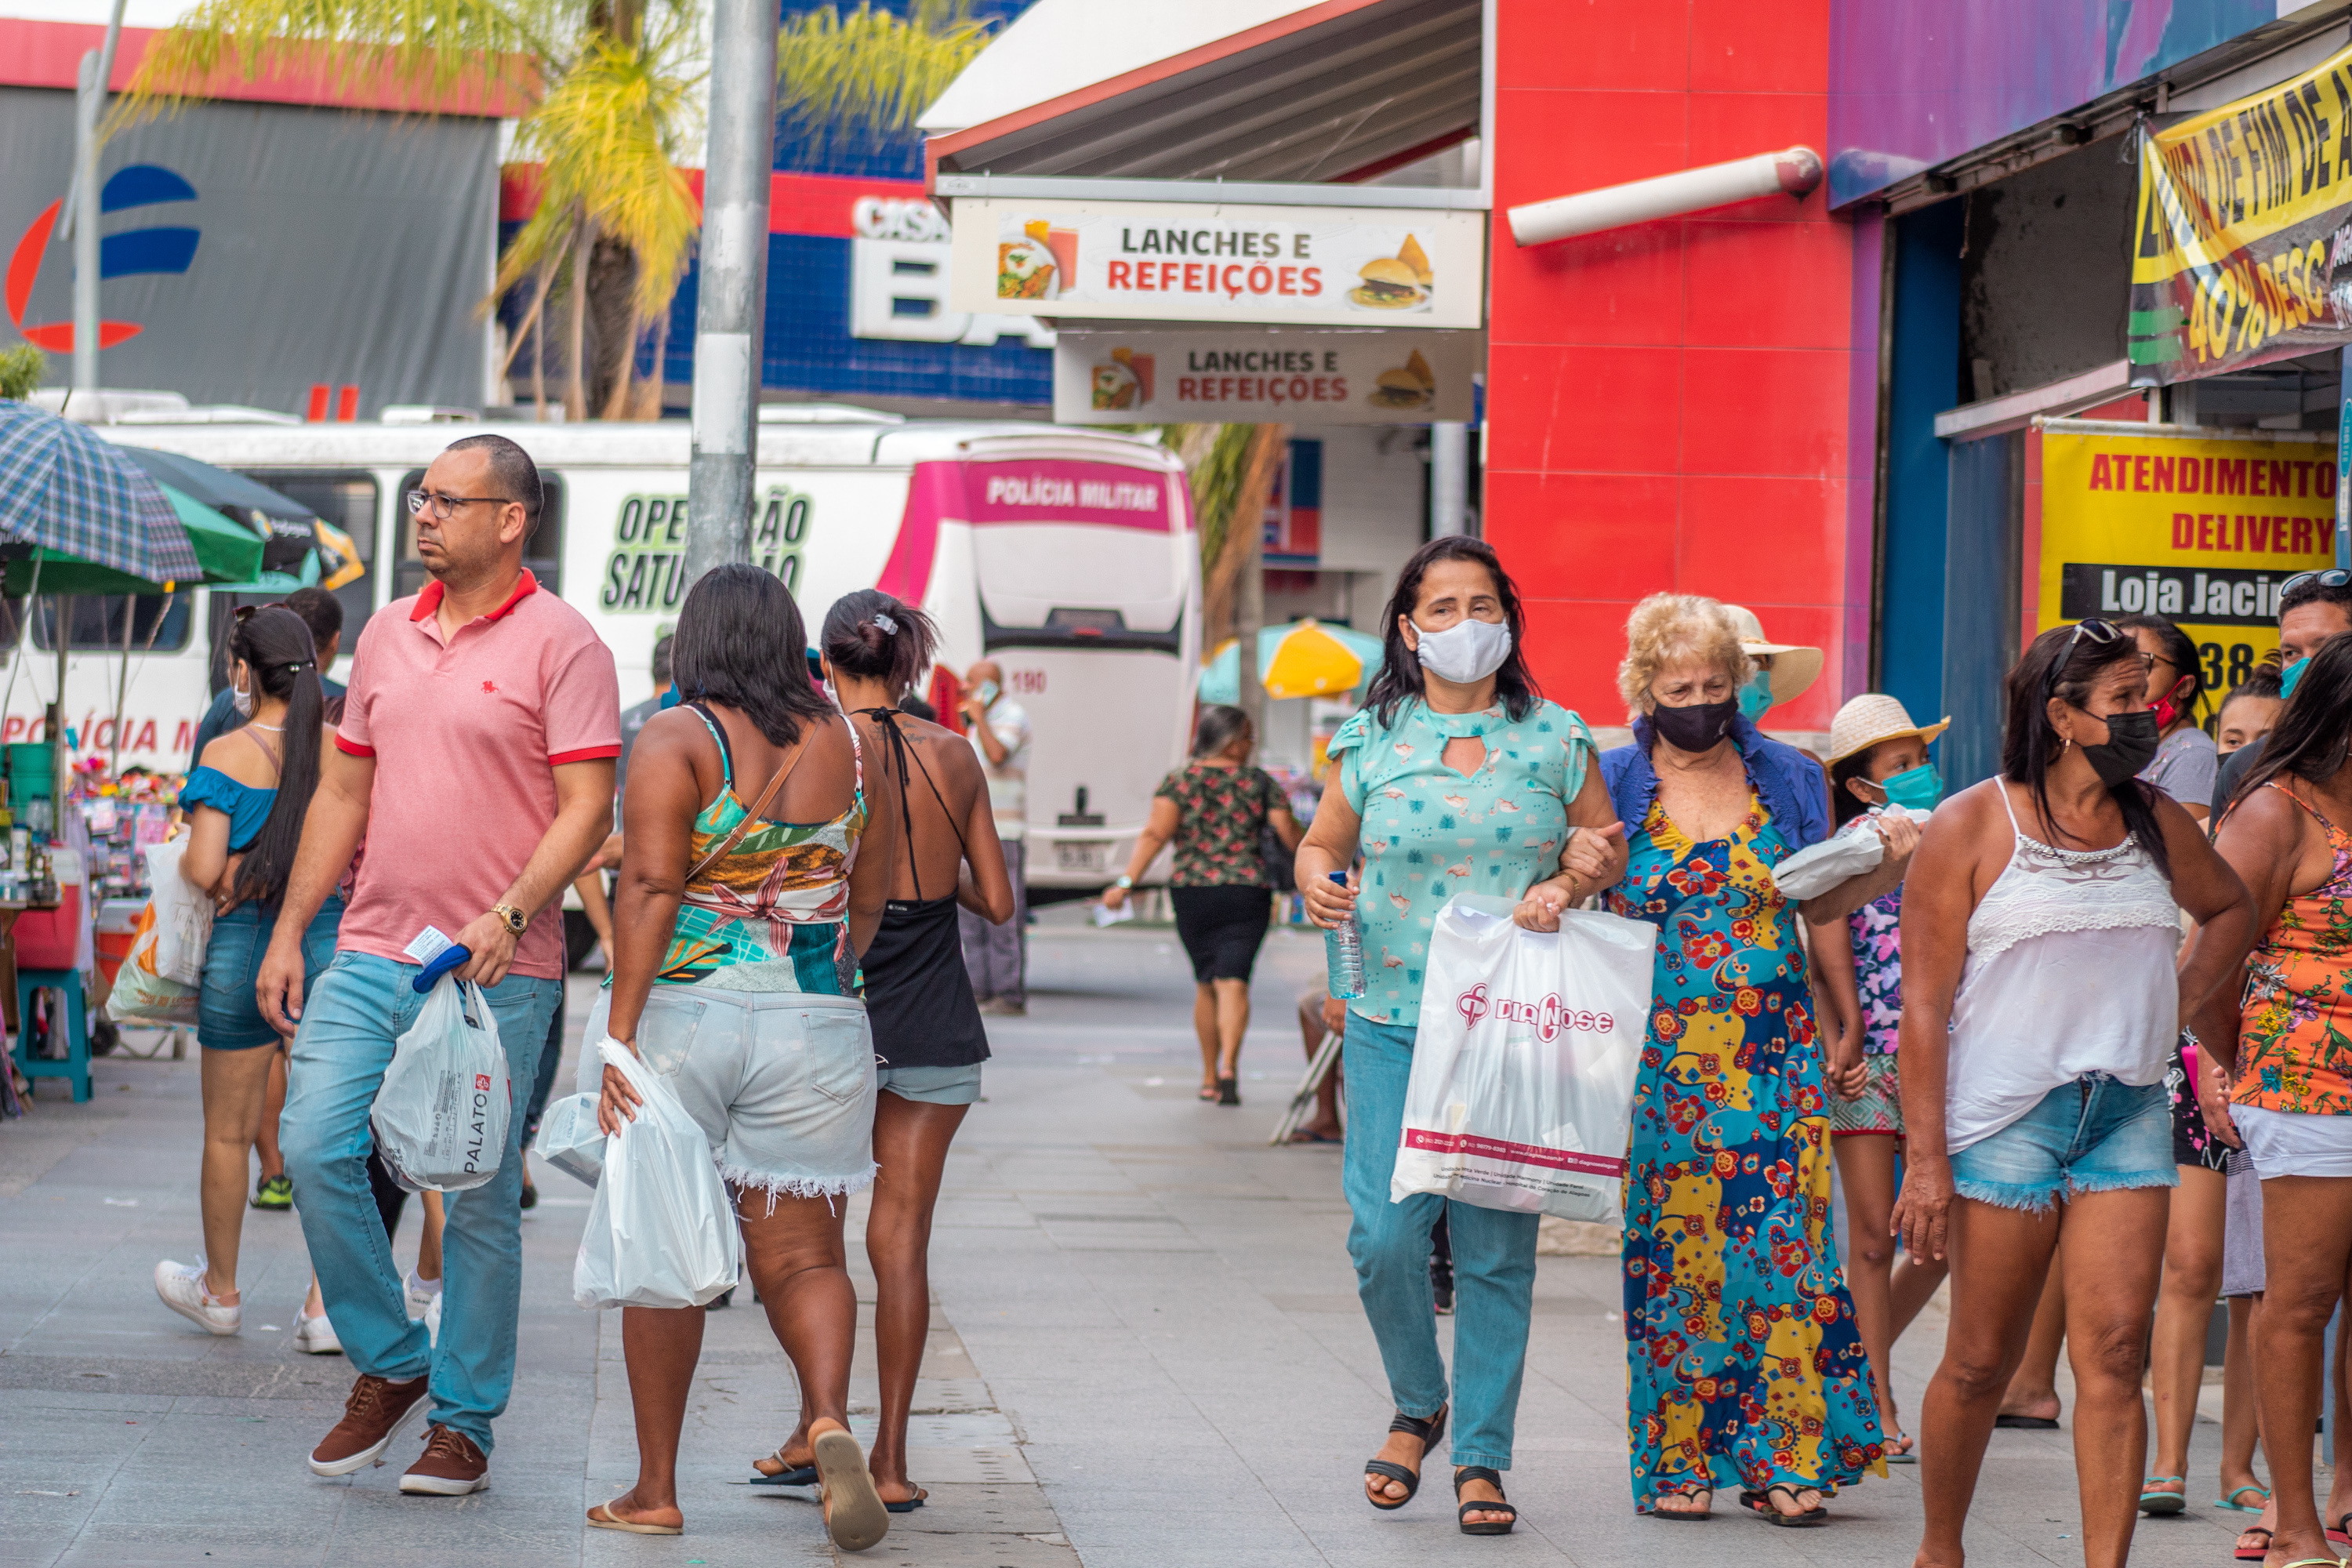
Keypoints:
pixel 517 921
pixel 1124 882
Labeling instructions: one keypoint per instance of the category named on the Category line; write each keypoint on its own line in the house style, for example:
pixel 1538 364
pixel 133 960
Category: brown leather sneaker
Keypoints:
pixel 450 1466
pixel 373 1416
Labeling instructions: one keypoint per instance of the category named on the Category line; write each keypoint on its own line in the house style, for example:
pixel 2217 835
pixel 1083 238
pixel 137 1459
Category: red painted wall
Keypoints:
pixel 1668 406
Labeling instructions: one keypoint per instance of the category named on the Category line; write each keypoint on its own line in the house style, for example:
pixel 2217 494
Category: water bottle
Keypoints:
pixel 1343 952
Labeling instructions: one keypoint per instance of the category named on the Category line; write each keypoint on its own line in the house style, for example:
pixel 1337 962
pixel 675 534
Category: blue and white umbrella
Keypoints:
pixel 63 488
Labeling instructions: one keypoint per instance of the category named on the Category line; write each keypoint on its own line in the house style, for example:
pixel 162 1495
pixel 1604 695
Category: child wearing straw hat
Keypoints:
pixel 1878 756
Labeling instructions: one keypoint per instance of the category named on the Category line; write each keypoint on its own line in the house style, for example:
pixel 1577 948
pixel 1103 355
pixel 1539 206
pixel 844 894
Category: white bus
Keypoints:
pixel 1066 555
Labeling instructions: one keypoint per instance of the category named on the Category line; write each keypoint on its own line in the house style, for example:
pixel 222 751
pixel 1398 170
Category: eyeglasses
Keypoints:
pixel 2334 578
pixel 446 507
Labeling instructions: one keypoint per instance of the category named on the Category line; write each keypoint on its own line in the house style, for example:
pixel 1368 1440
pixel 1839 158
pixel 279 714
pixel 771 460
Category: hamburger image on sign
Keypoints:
pixel 1123 381
pixel 1412 384
pixel 1024 267
pixel 1399 282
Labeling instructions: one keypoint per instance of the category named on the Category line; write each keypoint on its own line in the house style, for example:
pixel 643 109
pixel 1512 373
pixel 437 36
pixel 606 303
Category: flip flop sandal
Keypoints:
pixel 2232 1503
pixel 2258 1553
pixel 855 1515
pixel 1429 1430
pixel 1484 1527
pixel 2027 1423
pixel 2155 1503
pixel 1306 1136
pixel 1909 1456
pixel 2314 1562
pixel 908 1506
pixel 2339 1529
pixel 611 1520
pixel 790 1476
pixel 1685 1515
pixel 1760 1503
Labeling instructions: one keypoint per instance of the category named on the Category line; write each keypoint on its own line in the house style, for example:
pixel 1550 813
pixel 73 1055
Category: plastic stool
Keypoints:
pixel 75 1066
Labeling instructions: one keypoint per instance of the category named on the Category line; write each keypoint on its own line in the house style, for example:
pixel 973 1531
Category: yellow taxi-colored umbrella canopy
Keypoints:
pixel 1304 659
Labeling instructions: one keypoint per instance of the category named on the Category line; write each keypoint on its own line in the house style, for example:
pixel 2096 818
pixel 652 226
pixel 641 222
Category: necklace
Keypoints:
pixel 257 724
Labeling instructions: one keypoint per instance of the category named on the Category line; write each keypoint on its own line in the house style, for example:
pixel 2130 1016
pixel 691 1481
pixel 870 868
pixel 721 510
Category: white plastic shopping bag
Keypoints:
pixel 569 1138
pixel 661 1231
pixel 183 916
pixel 140 994
pixel 1849 852
pixel 440 1116
pixel 1524 1062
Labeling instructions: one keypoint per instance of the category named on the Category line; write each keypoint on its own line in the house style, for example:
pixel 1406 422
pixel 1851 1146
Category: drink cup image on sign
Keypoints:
pixel 1025 267
pixel 1412 384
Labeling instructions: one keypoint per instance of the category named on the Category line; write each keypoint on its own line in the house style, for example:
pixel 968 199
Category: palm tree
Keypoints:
pixel 614 94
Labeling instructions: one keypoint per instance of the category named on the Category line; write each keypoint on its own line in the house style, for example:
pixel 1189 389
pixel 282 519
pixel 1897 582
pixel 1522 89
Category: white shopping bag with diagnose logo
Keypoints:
pixel 1524 1063
pixel 440 1116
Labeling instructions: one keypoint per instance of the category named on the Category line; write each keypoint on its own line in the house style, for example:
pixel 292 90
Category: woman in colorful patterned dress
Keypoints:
pixel 1216 809
pixel 2291 1095
pixel 1456 777
pixel 751 882
pixel 1877 757
pixel 1746 1368
pixel 2040 1001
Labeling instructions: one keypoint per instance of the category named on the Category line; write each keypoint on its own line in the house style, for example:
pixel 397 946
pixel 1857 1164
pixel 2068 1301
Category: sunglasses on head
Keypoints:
pixel 2102 632
pixel 2334 578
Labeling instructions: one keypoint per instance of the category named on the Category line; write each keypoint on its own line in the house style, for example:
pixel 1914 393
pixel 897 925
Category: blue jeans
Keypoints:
pixel 358 1010
pixel 1493 1265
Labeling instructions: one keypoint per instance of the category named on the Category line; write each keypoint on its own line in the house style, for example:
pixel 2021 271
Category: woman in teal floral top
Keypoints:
pixel 1216 808
pixel 1456 777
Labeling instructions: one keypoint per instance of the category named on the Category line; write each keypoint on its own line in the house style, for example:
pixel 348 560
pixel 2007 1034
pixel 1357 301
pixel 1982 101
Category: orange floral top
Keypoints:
pixel 2293 1051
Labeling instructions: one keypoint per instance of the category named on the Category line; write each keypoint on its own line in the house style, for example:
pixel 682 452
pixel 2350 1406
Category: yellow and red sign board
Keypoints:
pixel 2200 529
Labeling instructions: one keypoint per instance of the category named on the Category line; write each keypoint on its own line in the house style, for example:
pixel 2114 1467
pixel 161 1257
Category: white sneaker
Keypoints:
pixel 316 1336
pixel 182 1287
pixel 422 1294
pixel 432 1320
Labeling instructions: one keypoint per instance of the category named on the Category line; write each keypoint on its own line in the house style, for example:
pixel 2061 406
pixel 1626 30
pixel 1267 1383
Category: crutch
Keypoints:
pixel 1326 1056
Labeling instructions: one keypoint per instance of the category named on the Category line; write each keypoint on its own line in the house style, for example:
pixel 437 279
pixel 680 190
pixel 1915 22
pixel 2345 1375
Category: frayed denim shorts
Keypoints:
pixel 2093 1135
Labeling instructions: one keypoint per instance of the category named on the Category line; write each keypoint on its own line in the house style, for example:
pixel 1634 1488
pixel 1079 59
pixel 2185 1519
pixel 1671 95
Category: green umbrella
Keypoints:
pixel 229 552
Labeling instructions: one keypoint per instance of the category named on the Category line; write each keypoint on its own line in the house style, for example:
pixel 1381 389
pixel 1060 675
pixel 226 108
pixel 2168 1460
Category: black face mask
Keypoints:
pixel 1695 728
pixel 2130 746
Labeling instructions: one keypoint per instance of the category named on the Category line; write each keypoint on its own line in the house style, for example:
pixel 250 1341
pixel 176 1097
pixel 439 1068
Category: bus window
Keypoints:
pixel 158 623
pixel 543 553
pixel 344 498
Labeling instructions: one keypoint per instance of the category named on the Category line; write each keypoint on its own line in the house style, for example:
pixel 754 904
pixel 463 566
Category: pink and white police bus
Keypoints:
pixel 1067 555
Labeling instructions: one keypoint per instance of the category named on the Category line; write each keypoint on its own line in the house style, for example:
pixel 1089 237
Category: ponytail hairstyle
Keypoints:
pixel 2065 662
pixel 871 635
pixel 276 646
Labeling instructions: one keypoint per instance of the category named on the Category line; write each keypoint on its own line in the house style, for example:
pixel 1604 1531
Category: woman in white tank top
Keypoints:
pixel 2040 1002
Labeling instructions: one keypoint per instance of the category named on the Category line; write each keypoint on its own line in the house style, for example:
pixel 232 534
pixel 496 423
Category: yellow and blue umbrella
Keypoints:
pixel 1304 659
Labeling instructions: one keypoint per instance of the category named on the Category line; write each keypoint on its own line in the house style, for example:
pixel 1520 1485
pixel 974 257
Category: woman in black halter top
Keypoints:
pixel 927 1025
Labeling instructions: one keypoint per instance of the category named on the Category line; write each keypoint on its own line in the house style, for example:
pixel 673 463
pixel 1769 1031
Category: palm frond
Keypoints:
pixel 602 136
pixel 1216 459
pixel 866 75
pixel 432 45
pixel 21 370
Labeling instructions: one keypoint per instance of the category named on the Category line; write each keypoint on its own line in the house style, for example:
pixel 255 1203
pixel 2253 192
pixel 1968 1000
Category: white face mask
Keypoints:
pixel 1465 651
pixel 241 699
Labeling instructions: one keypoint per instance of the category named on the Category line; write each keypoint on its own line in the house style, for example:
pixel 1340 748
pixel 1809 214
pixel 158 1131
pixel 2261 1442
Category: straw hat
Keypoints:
pixel 1874 717
pixel 1793 667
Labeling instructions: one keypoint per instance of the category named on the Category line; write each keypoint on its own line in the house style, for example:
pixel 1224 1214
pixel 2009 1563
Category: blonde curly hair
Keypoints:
pixel 1668 627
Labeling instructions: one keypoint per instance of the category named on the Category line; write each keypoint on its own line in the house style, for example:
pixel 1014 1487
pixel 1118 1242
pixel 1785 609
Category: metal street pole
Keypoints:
pixel 83 203
pixel 729 315
pixel 1449 478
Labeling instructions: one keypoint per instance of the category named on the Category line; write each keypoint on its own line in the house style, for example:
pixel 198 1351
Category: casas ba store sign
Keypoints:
pixel 2201 529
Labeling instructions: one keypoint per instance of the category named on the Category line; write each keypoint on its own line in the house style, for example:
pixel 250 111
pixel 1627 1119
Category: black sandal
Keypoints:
pixel 1229 1091
pixel 1486 1526
pixel 1429 1430
pixel 1685 1515
pixel 1762 1503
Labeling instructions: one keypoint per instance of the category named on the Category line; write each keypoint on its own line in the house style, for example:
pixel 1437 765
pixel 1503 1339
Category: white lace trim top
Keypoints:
pixel 2070 972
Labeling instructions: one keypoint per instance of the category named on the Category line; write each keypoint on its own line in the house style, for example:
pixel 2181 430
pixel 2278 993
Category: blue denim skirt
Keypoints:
pixel 227 1016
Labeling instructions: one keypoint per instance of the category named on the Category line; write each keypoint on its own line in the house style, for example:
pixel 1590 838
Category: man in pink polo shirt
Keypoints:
pixel 476 759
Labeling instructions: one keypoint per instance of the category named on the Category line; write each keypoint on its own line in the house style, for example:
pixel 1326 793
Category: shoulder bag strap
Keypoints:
pixel 727 845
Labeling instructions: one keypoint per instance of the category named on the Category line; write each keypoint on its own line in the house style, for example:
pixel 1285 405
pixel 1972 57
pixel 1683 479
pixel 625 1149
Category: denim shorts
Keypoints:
pixel 2093 1135
pixel 931 1086
pixel 227 1016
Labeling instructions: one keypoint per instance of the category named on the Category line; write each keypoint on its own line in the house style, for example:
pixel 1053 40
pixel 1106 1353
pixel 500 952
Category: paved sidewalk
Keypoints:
pixel 1145 1350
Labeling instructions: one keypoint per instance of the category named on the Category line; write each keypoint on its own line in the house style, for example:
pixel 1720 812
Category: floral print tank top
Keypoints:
pixel 2293 1053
